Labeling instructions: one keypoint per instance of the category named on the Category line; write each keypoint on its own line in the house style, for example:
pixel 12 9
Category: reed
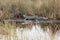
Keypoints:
pixel 46 8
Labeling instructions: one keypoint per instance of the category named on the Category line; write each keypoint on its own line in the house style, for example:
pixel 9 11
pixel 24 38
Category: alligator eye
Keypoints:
pixel 17 16
pixel 26 19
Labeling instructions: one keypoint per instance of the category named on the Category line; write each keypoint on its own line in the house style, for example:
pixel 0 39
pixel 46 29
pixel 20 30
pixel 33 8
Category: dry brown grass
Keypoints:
pixel 47 8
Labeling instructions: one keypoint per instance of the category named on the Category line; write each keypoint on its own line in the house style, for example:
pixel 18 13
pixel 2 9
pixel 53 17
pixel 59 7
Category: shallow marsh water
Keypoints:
pixel 35 33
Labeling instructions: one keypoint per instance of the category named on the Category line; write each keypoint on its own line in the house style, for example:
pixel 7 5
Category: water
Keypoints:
pixel 57 35
pixel 35 33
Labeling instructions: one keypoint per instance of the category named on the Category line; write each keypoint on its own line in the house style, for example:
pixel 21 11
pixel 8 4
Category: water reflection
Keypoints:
pixel 35 33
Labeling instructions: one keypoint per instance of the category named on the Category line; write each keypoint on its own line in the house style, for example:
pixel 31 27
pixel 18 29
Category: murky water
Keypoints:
pixel 35 33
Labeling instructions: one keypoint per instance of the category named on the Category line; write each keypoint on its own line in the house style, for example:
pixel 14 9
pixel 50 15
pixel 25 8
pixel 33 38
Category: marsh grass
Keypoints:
pixel 46 8
pixel 15 32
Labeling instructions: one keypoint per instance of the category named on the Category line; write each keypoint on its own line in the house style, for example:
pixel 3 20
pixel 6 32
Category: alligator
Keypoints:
pixel 31 18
